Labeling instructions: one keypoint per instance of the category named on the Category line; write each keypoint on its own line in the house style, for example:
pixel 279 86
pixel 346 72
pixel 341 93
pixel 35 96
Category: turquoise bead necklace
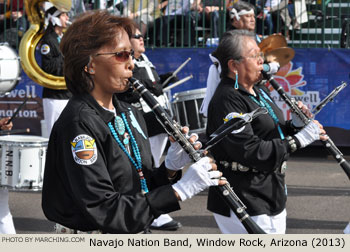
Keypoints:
pixel 121 124
pixel 264 103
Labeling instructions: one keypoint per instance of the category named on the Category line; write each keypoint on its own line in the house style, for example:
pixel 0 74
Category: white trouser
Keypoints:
pixel 270 224
pixel 158 144
pixel 6 222
pixel 347 229
pixel 52 110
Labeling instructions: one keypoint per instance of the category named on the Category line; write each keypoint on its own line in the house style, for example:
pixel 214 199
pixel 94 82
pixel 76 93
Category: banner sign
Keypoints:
pixel 31 113
pixel 309 77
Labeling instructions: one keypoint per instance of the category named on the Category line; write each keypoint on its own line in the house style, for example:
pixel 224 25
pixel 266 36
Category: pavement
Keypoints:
pixel 318 203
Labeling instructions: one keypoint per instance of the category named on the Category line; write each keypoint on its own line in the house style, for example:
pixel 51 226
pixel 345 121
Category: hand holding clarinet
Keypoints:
pixel 310 131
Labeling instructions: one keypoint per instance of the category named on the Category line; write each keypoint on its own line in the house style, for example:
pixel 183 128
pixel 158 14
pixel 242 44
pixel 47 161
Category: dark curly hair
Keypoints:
pixel 88 33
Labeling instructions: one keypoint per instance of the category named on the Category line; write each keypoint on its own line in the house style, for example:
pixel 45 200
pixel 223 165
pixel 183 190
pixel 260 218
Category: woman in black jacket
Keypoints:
pixel 99 174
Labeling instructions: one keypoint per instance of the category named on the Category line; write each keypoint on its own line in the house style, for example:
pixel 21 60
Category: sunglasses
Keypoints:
pixel 122 56
pixel 137 36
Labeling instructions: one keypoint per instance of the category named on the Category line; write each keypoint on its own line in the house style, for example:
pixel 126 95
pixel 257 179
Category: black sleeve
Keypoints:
pixel 290 128
pixel 51 56
pixel 154 87
pixel 160 176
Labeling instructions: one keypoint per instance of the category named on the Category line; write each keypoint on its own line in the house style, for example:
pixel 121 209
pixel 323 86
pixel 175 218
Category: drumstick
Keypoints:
pixel 175 72
pixel 19 108
pixel 178 83
pixel 15 131
pixel 181 66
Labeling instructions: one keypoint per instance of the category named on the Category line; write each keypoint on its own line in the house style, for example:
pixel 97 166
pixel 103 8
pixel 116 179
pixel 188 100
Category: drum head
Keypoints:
pixel 10 68
pixel 189 95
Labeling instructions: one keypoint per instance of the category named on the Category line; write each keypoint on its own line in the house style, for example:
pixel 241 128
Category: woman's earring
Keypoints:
pixel 91 71
pixel 236 82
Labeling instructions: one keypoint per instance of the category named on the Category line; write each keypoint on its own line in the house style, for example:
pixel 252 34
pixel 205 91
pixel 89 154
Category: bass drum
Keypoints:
pixel 186 109
pixel 10 68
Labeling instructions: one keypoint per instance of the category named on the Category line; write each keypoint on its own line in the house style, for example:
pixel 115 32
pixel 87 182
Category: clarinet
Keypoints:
pixel 291 102
pixel 174 130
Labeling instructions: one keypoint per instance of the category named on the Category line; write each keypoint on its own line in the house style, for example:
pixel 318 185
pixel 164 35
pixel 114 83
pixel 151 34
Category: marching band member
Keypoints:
pixel 145 72
pixel 98 173
pixel 242 18
pixel 54 100
pixel 6 221
pixel 253 159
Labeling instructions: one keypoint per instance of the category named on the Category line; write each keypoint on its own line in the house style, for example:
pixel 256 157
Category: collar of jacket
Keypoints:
pixel 104 114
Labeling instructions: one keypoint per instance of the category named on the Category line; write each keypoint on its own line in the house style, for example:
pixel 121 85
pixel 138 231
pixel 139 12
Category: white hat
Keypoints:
pixel 52 15
pixel 235 14
pixel 47 5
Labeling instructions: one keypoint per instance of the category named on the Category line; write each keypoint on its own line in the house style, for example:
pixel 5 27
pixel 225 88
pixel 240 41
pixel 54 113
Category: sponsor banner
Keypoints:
pixel 309 77
pixel 31 112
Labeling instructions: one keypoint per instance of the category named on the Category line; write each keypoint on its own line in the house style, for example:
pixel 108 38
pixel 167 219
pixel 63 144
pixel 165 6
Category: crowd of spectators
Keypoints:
pixel 13 22
pixel 170 22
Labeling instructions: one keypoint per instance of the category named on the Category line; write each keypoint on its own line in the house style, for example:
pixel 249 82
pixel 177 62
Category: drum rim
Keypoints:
pixel 197 90
pixel 189 95
pixel 15 188
pixel 41 141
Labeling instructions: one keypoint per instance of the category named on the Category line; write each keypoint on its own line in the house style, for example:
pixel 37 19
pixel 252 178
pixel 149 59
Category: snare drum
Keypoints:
pixel 10 68
pixel 186 109
pixel 22 162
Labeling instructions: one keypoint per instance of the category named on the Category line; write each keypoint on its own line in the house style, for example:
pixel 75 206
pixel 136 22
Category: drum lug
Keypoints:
pixel 41 153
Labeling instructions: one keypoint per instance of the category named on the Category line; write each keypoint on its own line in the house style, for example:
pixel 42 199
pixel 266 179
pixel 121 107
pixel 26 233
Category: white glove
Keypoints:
pixel 308 134
pixel 197 178
pixel 177 158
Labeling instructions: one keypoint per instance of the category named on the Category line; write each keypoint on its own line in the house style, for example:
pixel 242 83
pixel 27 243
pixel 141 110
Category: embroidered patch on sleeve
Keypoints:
pixel 231 116
pixel 45 49
pixel 84 150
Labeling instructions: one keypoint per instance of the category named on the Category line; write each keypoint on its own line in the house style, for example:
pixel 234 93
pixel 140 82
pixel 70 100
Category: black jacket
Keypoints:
pixel 52 63
pixel 156 88
pixel 258 146
pixel 101 191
